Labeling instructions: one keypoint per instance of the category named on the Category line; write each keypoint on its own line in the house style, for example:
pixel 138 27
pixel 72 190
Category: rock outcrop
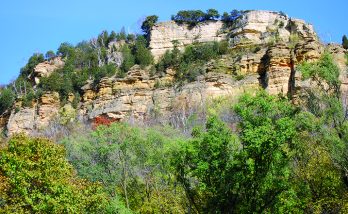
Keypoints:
pixel 261 27
pixel 265 50
pixel 139 96
pixel 45 69
pixel 164 34
pixel 29 119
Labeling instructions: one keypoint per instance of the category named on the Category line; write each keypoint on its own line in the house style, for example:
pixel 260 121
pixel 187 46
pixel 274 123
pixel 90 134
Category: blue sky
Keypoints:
pixel 31 26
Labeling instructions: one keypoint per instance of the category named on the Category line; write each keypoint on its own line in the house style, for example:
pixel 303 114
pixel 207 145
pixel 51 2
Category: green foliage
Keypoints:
pixel 66 50
pixel 104 71
pixel 32 62
pixel 112 37
pixel 251 173
pixel 189 64
pixel 325 70
pixel 36 178
pixel 212 14
pixel 316 178
pixel 128 59
pixel 7 98
pixel 230 18
pixel 130 162
pixel 191 17
pixel 345 42
pixel 58 82
pixel 148 24
pixel 262 168
pixel 143 56
pixel 202 167
pixel 50 54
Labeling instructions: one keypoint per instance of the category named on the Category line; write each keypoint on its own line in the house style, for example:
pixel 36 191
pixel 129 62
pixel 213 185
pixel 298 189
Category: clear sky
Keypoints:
pixel 31 26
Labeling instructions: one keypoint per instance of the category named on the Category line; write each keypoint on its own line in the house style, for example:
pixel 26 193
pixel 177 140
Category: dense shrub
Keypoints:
pixel 35 177
pixel 345 42
pixel 130 163
pixel 189 64
pixel 58 82
pixel 143 56
pixel 230 18
pixel 7 98
pixel 32 62
pixel 193 17
pixel 148 24
pixel 128 59
pixel 102 120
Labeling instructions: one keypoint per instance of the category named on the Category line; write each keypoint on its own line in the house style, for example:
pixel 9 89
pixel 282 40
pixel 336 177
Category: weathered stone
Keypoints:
pixel 47 109
pixel 163 34
pixel 261 27
pixel 22 120
pixel 45 69
pixel 266 48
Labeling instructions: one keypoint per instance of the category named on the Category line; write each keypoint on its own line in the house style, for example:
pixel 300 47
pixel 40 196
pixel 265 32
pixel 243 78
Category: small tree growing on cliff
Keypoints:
pixel 345 42
pixel 212 14
pixel 50 54
pixel 148 24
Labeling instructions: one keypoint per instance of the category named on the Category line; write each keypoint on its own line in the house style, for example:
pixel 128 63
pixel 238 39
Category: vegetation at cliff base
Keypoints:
pixel 246 153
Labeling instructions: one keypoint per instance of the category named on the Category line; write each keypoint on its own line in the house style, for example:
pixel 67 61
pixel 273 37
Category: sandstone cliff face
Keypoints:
pixel 140 96
pixel 29 119
pixel 261 27
pixel 266 49
pixel 163 34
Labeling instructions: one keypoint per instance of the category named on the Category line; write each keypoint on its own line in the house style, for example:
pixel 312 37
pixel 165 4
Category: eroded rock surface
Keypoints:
pixel 45 69
pixel 266 49
pixel 163 34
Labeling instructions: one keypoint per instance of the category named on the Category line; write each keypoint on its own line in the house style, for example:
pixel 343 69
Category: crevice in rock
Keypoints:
pixel 291 85
pixel 264 76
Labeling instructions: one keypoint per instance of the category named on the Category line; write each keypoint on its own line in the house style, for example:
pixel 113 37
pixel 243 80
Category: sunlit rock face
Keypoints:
pixel 46 68
pixel 265 51
pixel 260 27
pixel 164 34
pixel 29 119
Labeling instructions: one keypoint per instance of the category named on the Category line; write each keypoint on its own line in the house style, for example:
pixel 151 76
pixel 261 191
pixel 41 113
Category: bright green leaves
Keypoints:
pixel 132 164
pixel 222 172
pixel 266 132
pixel 325 70
pixel 7 98
pixel 39 179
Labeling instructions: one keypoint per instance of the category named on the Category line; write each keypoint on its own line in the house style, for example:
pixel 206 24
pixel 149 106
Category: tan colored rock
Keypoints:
pixel 261 27
pixel 45 69
pixel 22 121
pixel 163 34
pixel 47 109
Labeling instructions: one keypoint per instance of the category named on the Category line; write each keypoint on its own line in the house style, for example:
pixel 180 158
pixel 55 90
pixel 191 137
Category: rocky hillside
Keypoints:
pixel 264 50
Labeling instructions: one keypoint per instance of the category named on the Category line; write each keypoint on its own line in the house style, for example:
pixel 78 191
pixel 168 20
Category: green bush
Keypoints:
pixel 148 24
pixel 7 98
pixel 191 17
pixel 128 59
pixel 345 42
pixel 35 177
pixel 130 163
pixel 143 56
pixel 57 82
pixel 32 62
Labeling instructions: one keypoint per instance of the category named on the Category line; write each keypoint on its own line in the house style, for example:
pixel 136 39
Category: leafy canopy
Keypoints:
pixel 36 178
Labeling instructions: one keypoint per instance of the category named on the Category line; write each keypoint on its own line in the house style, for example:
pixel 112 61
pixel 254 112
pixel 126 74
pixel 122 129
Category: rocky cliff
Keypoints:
pixel 265 48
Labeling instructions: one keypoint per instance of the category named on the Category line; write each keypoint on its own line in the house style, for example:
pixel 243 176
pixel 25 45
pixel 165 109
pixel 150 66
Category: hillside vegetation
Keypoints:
pixel 260 154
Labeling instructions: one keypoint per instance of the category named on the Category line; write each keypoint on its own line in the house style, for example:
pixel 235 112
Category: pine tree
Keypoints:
pixel 345 42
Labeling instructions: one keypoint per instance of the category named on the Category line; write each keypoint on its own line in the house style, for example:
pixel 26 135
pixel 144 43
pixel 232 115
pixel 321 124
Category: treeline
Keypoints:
pixel 193 17
pixel 86 61
pixel 262 154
